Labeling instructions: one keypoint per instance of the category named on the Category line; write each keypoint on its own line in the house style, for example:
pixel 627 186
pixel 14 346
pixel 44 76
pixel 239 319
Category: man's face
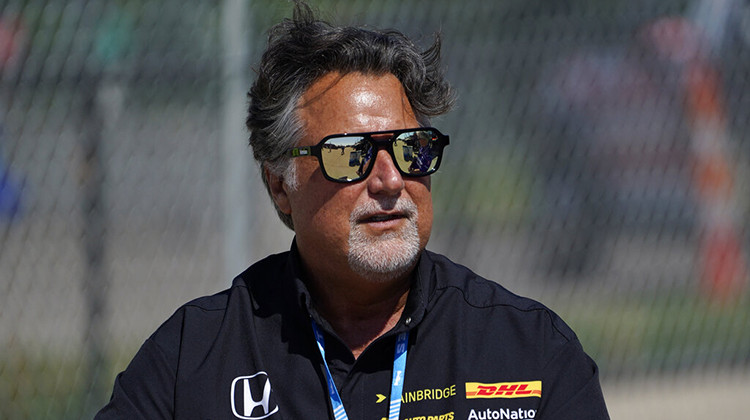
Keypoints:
pixel 376 227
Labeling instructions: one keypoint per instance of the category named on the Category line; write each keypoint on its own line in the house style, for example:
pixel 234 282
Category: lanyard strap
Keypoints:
pixel 397 382
pixel 399 371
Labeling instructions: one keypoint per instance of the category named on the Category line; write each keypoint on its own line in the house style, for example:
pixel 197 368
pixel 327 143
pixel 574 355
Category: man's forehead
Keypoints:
pixel 354 82
pixel 355 102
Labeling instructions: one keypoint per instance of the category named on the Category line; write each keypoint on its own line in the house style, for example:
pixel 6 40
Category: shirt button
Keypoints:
pixel 408 320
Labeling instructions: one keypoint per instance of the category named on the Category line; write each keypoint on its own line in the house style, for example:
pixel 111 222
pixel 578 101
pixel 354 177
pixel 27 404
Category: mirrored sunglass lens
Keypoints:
pixel 346 158
pixel 417 152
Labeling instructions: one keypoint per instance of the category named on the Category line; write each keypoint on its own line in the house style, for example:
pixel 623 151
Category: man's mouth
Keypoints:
pixel 384 215
pixel 382 218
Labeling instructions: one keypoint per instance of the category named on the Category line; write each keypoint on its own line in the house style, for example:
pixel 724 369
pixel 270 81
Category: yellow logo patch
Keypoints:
pixel 504 390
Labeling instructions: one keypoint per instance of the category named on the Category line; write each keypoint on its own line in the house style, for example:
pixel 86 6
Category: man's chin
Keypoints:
pixel 384 257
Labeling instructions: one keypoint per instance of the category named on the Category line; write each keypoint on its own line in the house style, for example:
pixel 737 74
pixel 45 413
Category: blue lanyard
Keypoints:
pixel 397 382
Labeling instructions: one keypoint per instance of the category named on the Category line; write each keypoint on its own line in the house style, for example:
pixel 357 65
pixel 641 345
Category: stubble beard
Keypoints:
pixel 387 256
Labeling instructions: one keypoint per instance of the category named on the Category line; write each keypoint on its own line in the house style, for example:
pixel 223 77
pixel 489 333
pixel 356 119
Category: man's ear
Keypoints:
pixel 278 191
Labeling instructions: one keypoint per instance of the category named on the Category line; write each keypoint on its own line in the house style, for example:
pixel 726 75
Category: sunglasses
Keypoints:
pixel 350 157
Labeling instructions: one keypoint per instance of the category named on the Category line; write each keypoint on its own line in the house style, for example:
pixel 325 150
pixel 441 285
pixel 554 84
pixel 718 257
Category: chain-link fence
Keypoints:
pixel 599 163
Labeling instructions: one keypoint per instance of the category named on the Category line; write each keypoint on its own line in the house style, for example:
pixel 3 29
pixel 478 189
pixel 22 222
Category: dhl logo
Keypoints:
pixel 504 390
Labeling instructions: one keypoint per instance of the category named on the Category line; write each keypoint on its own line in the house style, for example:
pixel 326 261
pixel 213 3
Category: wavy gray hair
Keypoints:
pixel 303 49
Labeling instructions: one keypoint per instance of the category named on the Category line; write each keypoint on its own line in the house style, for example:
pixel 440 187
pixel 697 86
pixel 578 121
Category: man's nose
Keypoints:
pixel 385 177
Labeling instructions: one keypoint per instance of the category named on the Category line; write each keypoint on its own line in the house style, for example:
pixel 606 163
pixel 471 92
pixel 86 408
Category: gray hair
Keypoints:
pixel 303 49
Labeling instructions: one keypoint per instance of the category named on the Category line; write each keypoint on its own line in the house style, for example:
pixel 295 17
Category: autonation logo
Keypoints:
pixel 251 397
pixel 502 414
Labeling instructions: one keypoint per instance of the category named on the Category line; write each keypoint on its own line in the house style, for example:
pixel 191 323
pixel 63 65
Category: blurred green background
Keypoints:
pixel 598 163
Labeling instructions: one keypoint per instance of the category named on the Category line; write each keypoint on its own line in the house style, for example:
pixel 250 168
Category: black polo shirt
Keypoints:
pixel 475 351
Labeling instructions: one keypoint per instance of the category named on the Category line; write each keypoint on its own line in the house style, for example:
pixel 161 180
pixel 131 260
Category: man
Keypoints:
pixel 357 320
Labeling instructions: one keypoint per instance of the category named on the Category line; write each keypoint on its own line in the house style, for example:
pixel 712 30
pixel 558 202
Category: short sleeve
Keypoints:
pixel 145 389
pixel 571 388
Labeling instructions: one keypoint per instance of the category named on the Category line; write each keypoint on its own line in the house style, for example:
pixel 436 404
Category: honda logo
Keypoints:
pixel 251 397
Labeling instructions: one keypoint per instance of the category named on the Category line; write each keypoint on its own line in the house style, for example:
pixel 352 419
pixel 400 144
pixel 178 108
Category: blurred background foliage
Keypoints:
pixel 598 163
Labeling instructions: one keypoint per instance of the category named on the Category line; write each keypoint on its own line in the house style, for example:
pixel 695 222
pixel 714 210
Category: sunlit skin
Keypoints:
pixel 359 309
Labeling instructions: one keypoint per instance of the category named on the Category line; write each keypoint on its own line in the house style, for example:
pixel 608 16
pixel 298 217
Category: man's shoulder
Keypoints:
pixel 478 294
pixel 200 320
pixel 260 274
pixel 477 290
pixel 199 313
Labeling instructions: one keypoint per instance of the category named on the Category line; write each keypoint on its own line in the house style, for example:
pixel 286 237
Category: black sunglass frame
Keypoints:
pixel 316 151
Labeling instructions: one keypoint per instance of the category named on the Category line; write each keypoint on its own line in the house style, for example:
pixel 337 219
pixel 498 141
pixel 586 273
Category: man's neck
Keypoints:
pixel 360 311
